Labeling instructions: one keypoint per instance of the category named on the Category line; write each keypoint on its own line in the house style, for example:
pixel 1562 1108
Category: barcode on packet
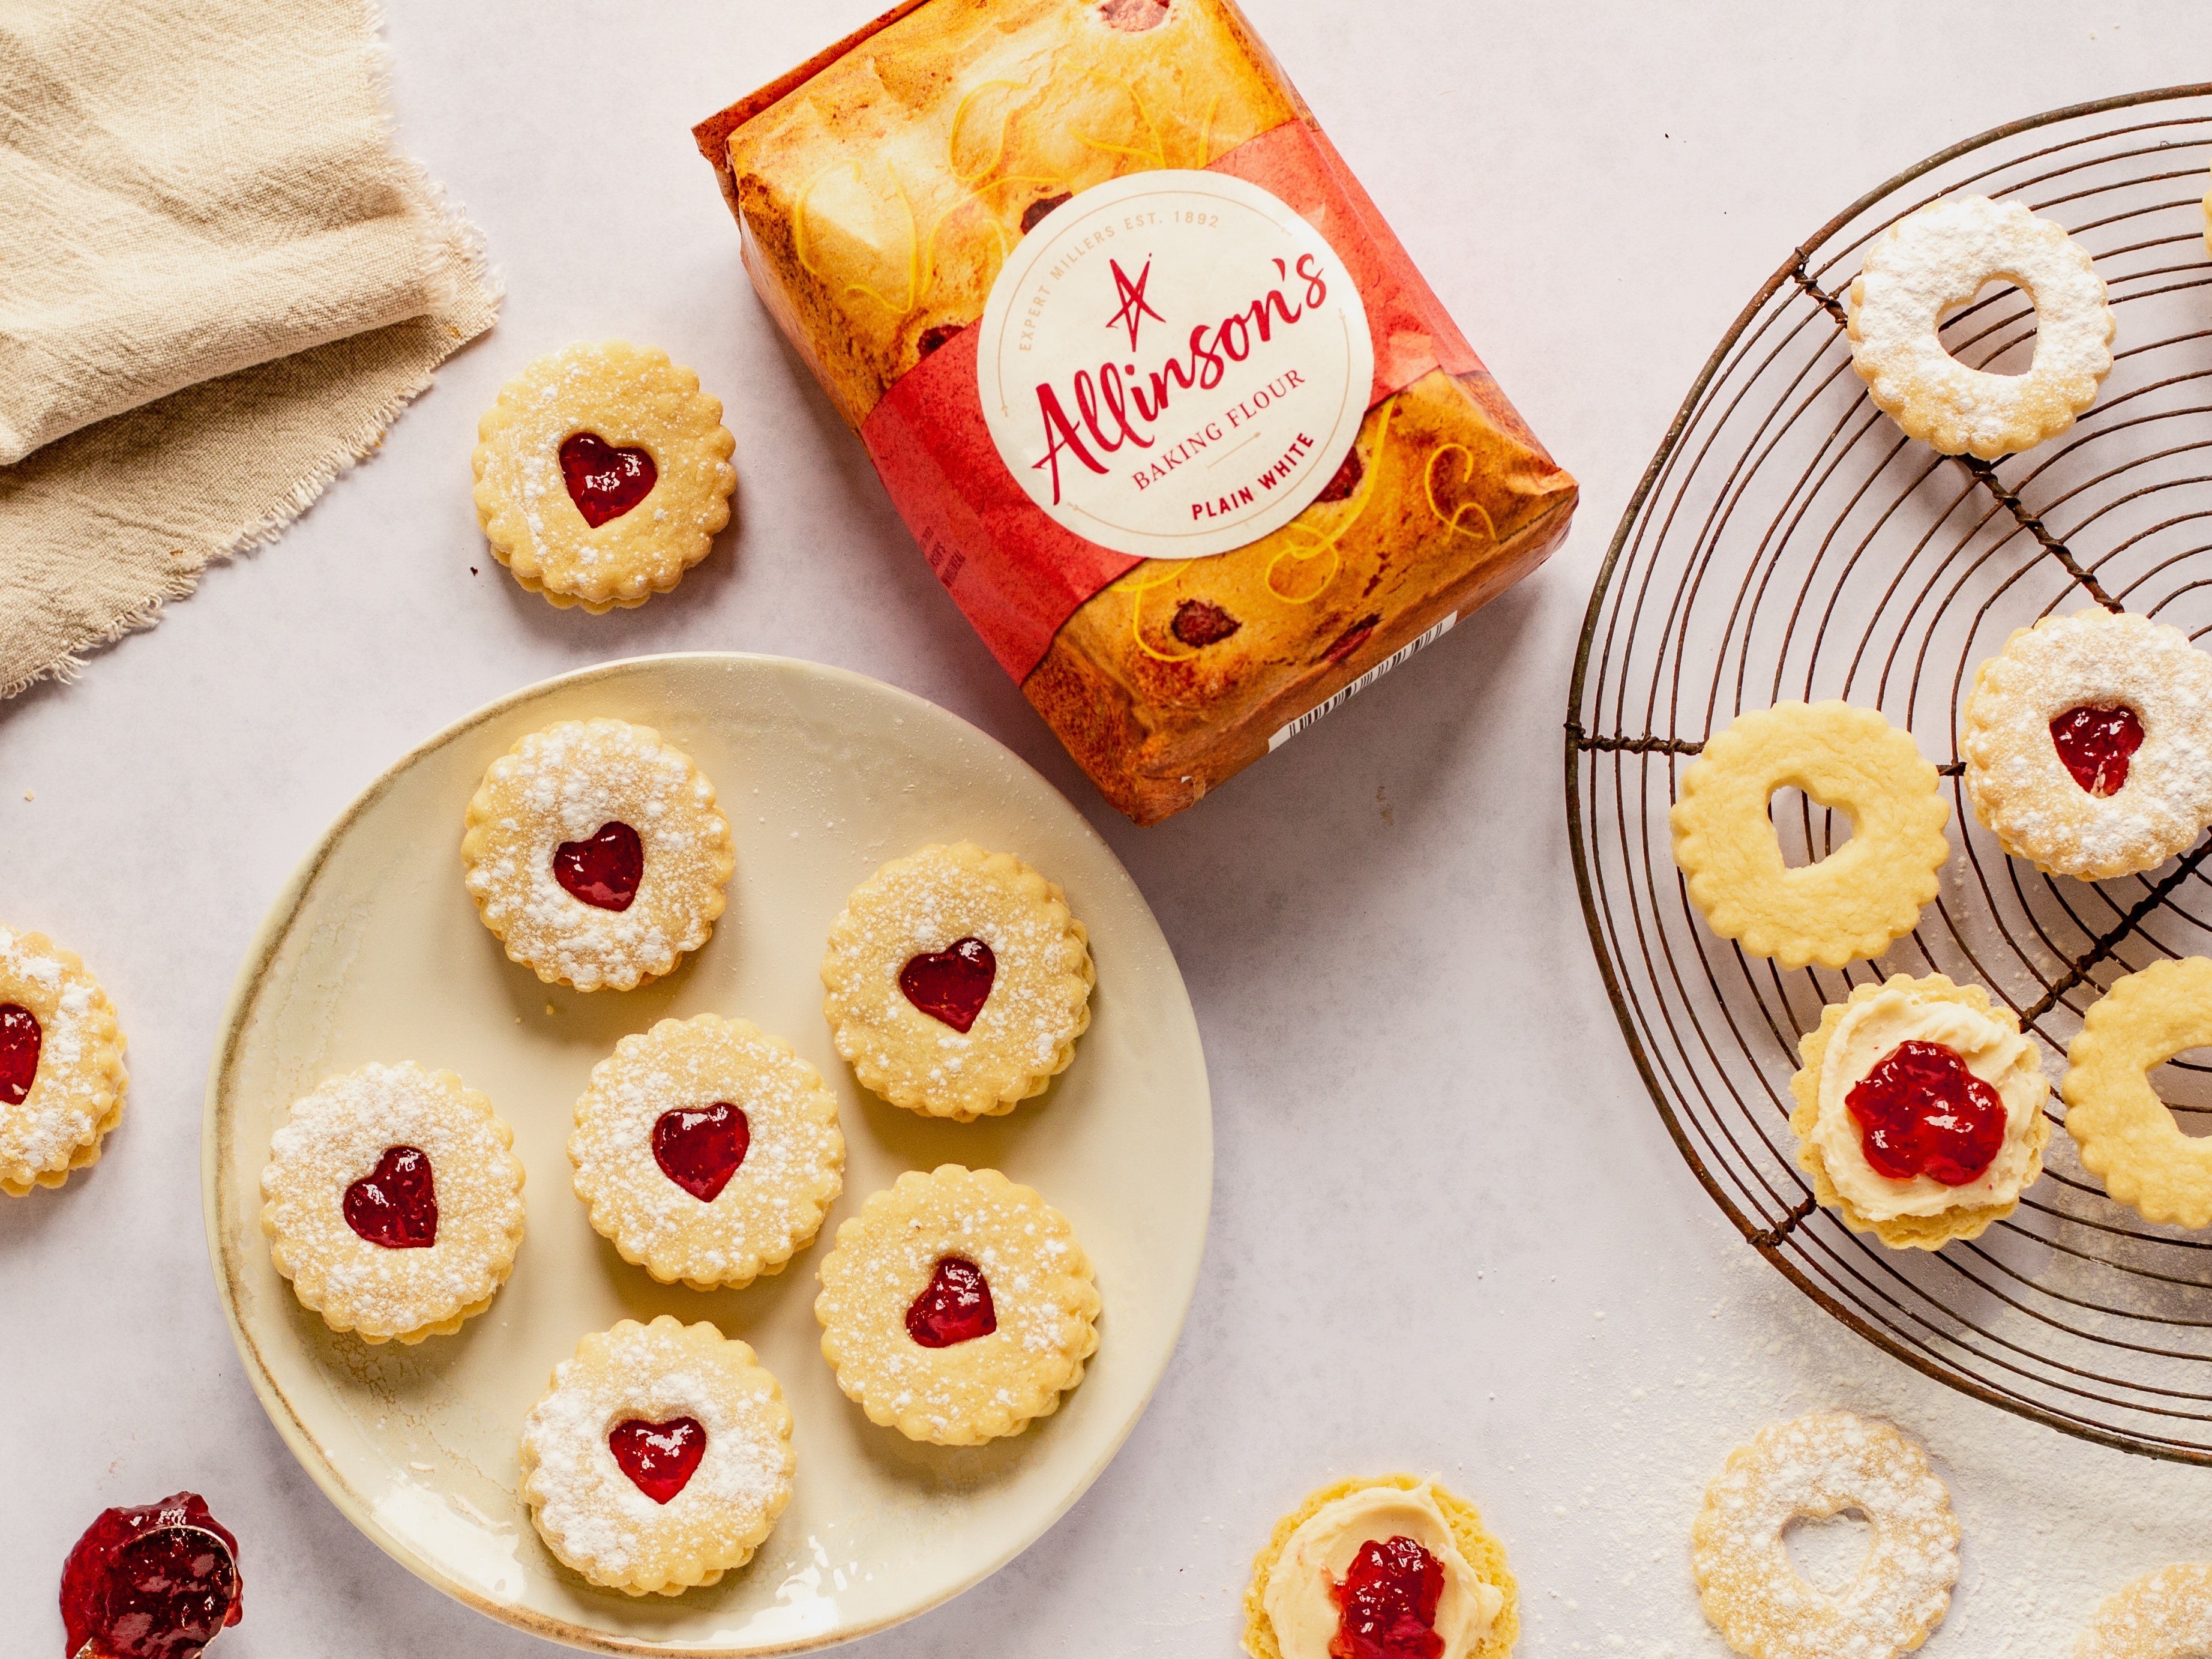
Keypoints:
pixel 1323 710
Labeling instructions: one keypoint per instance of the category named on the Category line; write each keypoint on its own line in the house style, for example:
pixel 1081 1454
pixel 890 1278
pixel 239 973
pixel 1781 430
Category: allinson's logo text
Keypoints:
pixel 1118 406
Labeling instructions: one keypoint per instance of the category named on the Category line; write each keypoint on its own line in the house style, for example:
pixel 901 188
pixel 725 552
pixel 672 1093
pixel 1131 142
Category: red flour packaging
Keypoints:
pixel 1171 412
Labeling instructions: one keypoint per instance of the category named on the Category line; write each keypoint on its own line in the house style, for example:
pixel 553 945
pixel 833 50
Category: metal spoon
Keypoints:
pixel 207 1540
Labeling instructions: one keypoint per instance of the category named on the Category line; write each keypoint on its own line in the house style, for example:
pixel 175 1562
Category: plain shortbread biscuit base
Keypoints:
pixel 2165 1614
pixel 1859 899
pixel 1938 258
pixel 76 1093
pixel 1476 1543
pixel 2125 1133
pixel 1924 1233
pixel 792 1172
pixel 1821 1465
pixel 595 1518
pixel 631 398
pixel 2021 790
pixel 565 784
pixel 1041 1290
pixel 1040 999
pixel 335 1136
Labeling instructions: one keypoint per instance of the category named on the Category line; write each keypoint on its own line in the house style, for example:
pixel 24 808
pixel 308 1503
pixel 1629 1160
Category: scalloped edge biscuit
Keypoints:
pixel 102 1067
pixel 1915 1232
pixel 1480 1547
pixel 1859 900
pixel 2126 1135
pixel 899 1052
pixel 631 397
pixel 1032 1380
pixel 2163 1614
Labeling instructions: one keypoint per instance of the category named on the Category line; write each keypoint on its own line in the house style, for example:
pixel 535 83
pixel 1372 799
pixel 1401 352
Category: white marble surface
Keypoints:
pixel 1449 1233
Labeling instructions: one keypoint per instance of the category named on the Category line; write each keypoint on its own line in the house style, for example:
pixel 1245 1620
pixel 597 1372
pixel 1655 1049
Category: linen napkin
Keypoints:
pixel 220 281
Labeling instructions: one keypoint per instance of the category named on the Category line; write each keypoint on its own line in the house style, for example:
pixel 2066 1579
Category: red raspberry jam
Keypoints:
pixel 955 1308
pixel 2095 744
pixel 1920 1111
pixel 953 984
pixel 700 1148
pixel 396 1204
pixel 659 1458
pixel 603 871
pixel 155 1583
pixel 1388 1603
pixel 605 482
pixel 20 1038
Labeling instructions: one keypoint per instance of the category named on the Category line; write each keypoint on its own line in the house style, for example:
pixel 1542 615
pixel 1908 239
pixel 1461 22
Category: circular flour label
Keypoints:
pixel 1174 363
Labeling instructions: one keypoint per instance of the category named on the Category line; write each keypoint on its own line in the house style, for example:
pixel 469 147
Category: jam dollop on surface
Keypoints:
pixel 700 1148
pixel 1034 214
pixel 603 871
pixel 19 1037
pixel 1201 622
pixel 953 984
pixel 659 1458
pixel 1920 1111
pixel 1388 1603
pixel 955 1307
pixel 396 1204
pixel 1134 16
pixel 603 480
pixel 2095 744
pixel 155 1583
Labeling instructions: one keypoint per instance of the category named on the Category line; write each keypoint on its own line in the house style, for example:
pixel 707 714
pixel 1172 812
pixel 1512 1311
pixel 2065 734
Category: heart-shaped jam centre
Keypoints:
pixel 700 1149
pixel 604 871
pixel 19 1037
pixel 1920 1111
pixel 955 1307
pixel 396 1204
pixel 659 1458
pixel 1387 1604
pixel 154 1583
pixel 605 482
pixel 2095 744
pixel 952 984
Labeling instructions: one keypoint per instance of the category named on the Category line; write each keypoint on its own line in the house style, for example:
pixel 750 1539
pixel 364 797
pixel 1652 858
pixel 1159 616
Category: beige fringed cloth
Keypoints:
pixel 220 281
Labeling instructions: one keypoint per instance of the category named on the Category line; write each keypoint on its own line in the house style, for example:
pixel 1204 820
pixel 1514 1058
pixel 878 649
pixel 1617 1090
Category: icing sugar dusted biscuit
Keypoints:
pixel 1361 1558
pixel 1939 257
pixel 2088 744
pixel 2124 1130
pixel 60 1064
pixel 1919 1111
pixel 1855 902
pixel 2166 1615
pixel 603 473
pixel 1821 1465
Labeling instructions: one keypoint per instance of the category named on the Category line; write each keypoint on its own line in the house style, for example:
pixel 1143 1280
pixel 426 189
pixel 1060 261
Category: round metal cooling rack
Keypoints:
pixel 1789 541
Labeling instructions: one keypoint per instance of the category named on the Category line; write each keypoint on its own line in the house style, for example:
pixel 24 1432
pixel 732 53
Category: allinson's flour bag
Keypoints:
pixel 1173 416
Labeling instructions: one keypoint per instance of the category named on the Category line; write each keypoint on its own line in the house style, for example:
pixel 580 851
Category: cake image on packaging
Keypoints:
pixel 1171 414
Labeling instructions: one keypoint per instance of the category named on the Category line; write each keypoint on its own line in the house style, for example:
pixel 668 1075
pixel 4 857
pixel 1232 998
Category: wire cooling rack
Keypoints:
pixel 1789 541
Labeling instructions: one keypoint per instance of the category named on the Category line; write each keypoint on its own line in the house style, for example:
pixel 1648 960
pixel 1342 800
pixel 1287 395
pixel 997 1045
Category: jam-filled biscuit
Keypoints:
pixel 1919 1111
pixel 392 1200
pixel 1358 1559
pixel 2124 1130
pixel 2088 744
pixel 957 981
pixel 660 1458
pixel 1860 899
pixel 1821 1465
pixel 1939 257
pixel 595 851
pixel 708 1151
pixel 60 1064
pixel 602 475
pixel 957 1307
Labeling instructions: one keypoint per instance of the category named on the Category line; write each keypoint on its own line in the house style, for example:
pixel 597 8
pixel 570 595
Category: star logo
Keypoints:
pixel 1135 307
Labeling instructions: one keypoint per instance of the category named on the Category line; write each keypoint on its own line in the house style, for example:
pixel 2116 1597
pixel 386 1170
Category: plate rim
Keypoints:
pixel 275 923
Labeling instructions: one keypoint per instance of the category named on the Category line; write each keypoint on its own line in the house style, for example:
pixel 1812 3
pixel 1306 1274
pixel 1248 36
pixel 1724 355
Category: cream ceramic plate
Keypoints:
pixel 374 952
